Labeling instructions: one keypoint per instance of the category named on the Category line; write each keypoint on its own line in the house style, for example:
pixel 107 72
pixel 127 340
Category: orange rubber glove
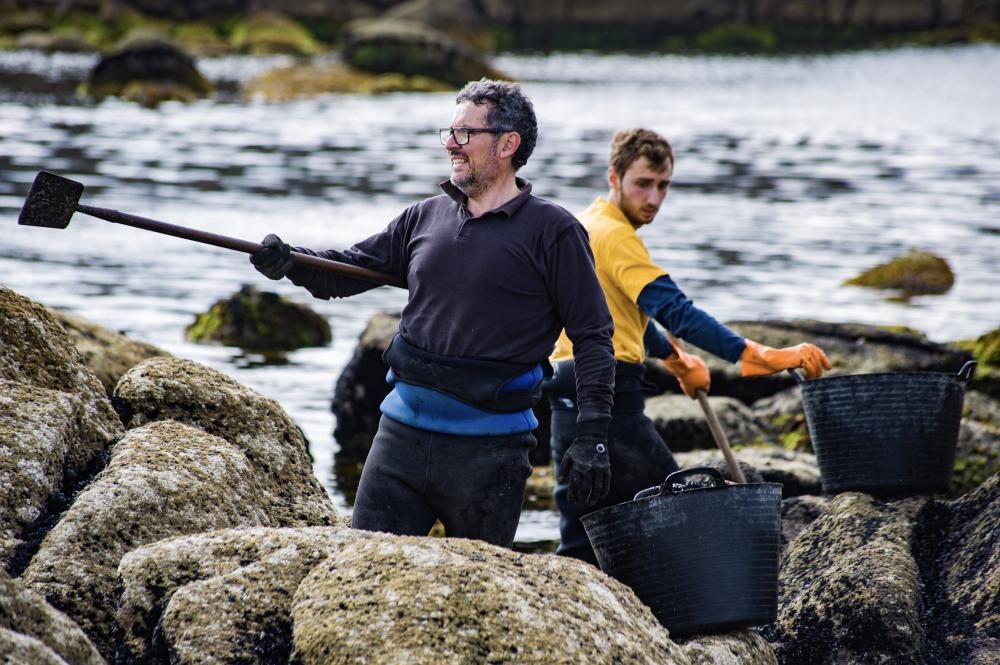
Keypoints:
pixel 759 360
pixel 689 370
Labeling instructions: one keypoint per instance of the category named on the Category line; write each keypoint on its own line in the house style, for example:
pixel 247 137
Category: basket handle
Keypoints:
pixel 797 375
pixel 967 372
pixel 677 477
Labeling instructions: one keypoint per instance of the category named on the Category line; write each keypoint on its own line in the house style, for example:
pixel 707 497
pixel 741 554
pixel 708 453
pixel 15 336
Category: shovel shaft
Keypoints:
pixel 245 246
pixel 720 438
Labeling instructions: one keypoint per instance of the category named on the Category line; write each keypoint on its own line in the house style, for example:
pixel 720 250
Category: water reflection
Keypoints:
pixel 792 175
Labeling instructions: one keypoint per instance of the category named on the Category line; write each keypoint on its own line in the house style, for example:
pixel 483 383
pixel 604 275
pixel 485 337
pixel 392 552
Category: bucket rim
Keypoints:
pixel 619 507
pixel 951 376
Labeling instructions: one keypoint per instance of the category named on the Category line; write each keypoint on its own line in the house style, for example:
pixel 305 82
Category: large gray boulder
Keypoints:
pixel 164 479
pixel 361 387
pixel 56 423
pixel 178 594
pixel 850 589
pixel 411 48
pixel 147 70
pixel 333 595
pixel 682 424
pixel 797 472
pixel 33 632
pixel 965 543
pixel 188 392
pixel 108 354
pixel 910 581
pixel 737 648
pixel 425 601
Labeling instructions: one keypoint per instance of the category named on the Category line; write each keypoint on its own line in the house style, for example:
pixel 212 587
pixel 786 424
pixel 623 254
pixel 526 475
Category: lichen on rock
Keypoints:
pixel 260 321
pixel 452 600
pixel 914 274
pixel 186 391
pixel 164 479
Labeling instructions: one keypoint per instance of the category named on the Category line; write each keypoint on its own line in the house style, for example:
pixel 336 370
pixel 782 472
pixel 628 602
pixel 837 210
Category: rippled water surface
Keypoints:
pixel 792 175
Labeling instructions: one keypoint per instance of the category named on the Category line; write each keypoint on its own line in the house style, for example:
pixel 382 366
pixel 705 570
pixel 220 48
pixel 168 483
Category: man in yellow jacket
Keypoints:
pixel 637 290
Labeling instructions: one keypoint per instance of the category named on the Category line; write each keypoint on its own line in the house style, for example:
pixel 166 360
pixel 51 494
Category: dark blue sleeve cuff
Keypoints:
pixel 664 301
pixel 656 343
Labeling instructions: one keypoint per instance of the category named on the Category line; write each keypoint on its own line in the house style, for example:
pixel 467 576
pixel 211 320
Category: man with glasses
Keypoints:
pixel 494 274
pixel 640 170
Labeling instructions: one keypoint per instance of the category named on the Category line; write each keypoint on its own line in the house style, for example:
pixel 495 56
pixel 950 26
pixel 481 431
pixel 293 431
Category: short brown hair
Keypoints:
pixel 629 145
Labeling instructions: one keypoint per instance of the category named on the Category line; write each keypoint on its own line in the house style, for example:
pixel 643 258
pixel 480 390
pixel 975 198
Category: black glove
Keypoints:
pixel 274 259
pixel 586 468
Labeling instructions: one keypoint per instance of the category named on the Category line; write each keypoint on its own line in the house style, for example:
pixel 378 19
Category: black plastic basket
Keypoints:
pixel 703 560
pixel 889 433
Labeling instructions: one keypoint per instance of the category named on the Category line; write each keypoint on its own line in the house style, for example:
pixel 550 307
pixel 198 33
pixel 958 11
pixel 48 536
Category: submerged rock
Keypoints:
pixel 915 274
pixel 410 48
pixel 283 84
pixel 260 321
pixel 271 32
pixel 147 70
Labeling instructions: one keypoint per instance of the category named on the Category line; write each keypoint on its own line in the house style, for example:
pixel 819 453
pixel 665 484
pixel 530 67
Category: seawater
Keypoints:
pixel 792 175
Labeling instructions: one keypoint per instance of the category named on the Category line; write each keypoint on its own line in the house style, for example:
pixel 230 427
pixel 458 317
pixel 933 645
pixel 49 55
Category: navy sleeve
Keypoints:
pixel 663 300
pixel 656 343
pixel 382 252
pixel 584 313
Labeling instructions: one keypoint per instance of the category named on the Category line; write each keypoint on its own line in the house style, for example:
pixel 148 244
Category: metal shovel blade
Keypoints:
pixel 51 201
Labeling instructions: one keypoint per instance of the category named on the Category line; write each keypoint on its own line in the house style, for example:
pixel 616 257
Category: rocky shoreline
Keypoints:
pixel 176 518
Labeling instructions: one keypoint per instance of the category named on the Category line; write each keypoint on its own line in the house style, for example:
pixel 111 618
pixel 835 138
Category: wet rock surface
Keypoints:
pixel 260 321
pixel 33 632
pixel 164 479
pixel 461 601
pixel 915 274
pixel 900 581
pixel 361 387
pixel 178 594
pixel 148 70
pixel 161 389
pixel 681 422
pixel 412 48
pixel 205 537
pixel 108 354
pixel 56 424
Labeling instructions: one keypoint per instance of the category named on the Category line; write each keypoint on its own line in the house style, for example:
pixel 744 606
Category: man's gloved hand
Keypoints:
pixel 586 468
pixel 689 370
pixel 759 360
pixel 274 259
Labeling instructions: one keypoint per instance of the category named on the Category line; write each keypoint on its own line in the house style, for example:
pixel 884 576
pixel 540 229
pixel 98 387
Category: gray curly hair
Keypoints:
pixel 509 109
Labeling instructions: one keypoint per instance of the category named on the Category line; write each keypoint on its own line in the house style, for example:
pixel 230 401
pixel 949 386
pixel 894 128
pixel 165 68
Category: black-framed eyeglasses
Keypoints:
pixel 463 134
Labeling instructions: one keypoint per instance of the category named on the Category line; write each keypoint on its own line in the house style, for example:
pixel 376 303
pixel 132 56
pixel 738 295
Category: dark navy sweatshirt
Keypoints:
pixel 499 286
